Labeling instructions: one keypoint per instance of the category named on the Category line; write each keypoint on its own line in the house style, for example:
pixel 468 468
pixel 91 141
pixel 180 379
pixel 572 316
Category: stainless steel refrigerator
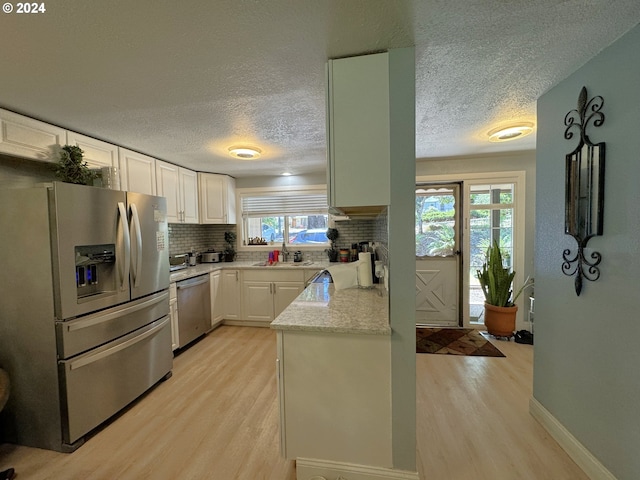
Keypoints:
pixel 84 326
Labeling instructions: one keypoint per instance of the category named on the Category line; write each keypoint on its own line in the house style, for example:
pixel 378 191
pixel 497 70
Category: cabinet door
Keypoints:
pixel 137 172
pixel 284 294
pixel 230 193
pixel 215 284
pixel 188 183
pixel 232 296
pixel 358 94
pixel 167 185
pixel 25 137
pixel 97 153
pixel 217 198
pixel 258 301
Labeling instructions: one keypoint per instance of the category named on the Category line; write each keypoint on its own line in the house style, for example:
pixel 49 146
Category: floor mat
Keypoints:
pixel 454 341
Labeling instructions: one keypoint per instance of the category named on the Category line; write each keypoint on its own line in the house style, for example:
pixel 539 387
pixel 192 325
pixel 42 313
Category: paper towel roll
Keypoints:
pixel 365 278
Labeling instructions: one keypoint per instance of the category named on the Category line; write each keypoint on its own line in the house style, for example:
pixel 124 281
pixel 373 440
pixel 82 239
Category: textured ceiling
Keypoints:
pixel 183 81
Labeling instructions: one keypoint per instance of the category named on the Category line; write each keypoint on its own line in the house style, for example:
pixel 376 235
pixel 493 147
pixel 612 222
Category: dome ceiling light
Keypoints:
pixel 245 153
pixel 511 132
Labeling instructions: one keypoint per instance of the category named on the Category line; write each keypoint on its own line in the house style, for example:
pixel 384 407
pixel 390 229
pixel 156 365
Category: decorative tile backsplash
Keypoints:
pixel 186 237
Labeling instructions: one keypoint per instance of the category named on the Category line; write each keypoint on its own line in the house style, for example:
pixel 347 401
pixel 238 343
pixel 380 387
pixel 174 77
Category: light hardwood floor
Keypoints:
pixel 217 418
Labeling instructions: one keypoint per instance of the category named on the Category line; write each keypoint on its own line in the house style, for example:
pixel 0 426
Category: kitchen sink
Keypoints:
pixel 322 277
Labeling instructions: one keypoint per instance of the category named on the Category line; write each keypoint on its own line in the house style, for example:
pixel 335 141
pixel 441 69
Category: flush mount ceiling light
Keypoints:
pixel 245 153
pixel 511 132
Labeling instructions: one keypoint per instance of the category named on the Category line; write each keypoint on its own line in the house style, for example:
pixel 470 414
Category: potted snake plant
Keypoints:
pixel 496 281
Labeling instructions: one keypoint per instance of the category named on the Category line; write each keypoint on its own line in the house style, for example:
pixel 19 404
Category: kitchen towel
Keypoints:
pixel 364 269
pixel 344 275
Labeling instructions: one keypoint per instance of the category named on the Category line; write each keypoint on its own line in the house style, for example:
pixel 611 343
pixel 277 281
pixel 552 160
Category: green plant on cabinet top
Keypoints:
pixel 71 167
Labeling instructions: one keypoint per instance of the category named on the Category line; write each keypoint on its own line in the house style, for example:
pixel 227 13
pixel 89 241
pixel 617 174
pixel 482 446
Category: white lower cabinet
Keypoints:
pixel 173 314
pixel 253 297
pixel 217 312
pixel 334 392
pixel 231 291
pixel 266 293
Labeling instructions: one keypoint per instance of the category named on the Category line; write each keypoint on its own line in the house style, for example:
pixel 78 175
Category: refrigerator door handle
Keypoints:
pixel 123 267
pixel 136 263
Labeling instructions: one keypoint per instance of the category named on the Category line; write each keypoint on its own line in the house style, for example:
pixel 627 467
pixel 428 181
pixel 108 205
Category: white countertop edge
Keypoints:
pixel 204 268
pixel 275 325
pixel 321 309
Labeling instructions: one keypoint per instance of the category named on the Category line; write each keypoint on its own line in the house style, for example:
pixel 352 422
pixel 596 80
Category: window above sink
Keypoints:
pixel 298 218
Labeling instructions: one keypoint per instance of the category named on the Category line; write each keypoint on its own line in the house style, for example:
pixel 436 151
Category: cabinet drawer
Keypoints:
pixel 269 274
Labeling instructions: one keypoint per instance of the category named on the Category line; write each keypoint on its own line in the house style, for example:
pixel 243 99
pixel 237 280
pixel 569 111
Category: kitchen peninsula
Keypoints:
pixel 334 380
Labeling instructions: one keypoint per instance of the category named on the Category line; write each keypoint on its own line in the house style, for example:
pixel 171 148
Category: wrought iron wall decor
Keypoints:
pixel 584 190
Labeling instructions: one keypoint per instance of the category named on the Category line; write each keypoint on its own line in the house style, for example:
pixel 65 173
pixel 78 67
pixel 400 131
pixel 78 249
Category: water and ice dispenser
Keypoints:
pixel 95 269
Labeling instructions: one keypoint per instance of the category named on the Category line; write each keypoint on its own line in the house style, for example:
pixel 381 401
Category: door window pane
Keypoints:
pixel 491 194
pixel 435 225
pixel 491 220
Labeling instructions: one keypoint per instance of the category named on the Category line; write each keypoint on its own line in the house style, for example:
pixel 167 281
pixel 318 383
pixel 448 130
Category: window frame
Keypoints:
pixel 277 191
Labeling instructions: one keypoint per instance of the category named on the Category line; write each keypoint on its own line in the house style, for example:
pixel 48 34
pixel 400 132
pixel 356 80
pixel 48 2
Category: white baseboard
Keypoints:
pixel 570 444
pixel 247 323
pixel 313 469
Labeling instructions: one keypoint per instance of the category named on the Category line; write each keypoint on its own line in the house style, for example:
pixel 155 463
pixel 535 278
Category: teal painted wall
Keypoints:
pixel 587 354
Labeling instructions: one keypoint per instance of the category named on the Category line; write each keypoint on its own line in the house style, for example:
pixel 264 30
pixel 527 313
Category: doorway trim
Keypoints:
pixel 518 178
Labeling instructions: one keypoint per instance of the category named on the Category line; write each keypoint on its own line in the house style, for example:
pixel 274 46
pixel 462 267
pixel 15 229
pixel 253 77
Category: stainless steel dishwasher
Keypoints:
pixel 194 308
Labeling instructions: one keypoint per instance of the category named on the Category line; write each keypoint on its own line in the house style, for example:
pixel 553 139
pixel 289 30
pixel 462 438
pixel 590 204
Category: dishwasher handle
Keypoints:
pixel 188 284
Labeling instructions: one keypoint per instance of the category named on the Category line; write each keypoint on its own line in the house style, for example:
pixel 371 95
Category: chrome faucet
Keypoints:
pixel 284 252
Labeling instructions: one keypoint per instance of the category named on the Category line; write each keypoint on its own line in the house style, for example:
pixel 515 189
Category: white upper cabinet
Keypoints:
pixel 188 195
pixel 137 172
pixel 25 137
pixel 167 186
pixel 217 198
pixel 180 187
pixel 361 108
pixel 97 153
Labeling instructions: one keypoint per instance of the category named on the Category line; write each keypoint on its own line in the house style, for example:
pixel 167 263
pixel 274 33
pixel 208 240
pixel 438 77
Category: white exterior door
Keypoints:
pixel 438 255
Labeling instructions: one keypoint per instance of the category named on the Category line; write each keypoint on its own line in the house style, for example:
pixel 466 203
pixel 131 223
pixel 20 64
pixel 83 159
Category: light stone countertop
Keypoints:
pixel 203 268
pixel 319 308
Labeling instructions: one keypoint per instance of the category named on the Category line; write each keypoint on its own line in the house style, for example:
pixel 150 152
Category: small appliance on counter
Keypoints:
pixel 178 261
pixel 210 257
pixel 297 256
